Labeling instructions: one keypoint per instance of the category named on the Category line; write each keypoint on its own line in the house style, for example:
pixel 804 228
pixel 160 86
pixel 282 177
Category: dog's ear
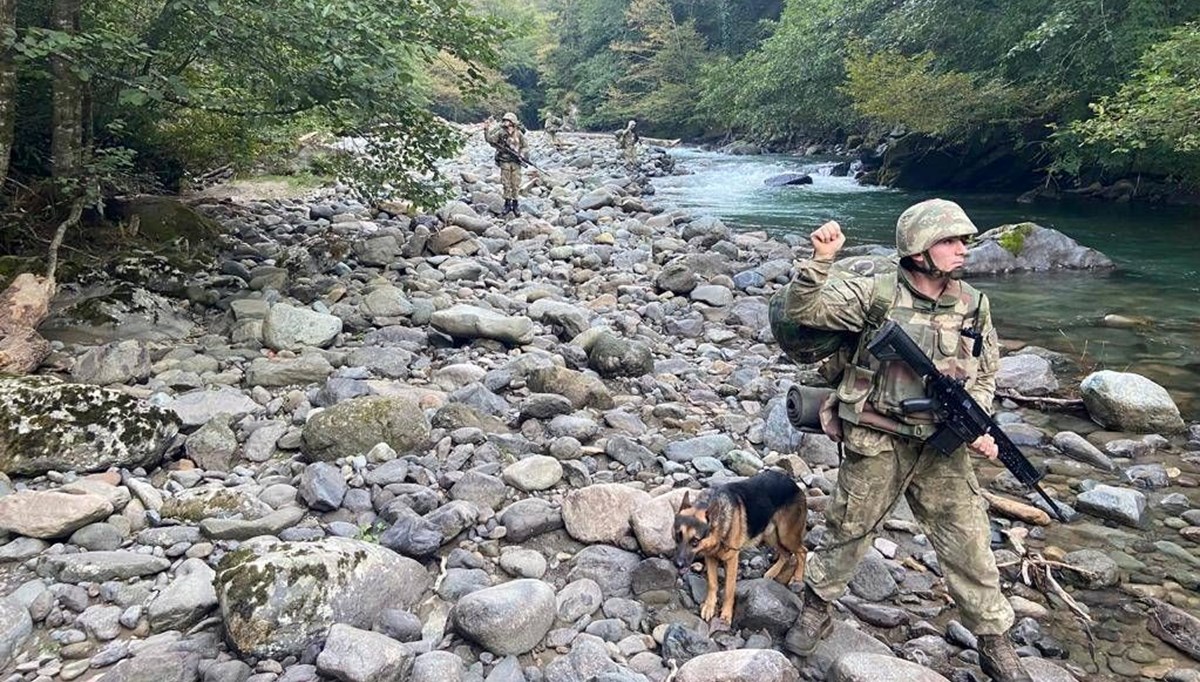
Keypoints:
pixel 686 500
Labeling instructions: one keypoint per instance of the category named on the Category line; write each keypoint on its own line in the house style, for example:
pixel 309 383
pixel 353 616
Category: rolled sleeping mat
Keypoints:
pixel 804 407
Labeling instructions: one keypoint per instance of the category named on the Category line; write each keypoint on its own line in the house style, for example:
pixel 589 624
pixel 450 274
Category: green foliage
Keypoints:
pixel 200 83
pixel 663 59
pixel 1158 108
pixel 400 159
pixel 892 89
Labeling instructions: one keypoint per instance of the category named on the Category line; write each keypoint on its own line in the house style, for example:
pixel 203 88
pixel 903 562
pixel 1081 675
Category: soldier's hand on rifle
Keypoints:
pixel 827 240
pixel 986 446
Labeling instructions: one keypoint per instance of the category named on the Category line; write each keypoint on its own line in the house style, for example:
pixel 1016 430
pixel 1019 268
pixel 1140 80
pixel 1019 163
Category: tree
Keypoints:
pixel 8 84
pixel 66 146
pixel 663 59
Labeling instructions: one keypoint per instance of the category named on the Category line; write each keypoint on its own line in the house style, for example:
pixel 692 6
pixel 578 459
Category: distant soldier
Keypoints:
pixel 510 146
pixel 554 124
pixel 627 140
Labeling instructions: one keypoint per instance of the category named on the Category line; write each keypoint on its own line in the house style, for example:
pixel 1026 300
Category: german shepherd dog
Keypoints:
pixel 722 521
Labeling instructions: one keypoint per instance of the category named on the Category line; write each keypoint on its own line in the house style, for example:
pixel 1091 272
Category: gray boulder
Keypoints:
pixel 186 600
pixel 45 425
pixel 114 363
pixel 1122 505
pixel 865 667
pixel 1028 246
pixel 353 427
pixel 470 322
pixel 1123 401
pixel 612 356
pixel 511 618
pixel 601 513
pixel 291 328
pixel 50 514
pixel 15 628
pixel 278 598
pixel 739 665
pixel 354 655
pixel 1026 374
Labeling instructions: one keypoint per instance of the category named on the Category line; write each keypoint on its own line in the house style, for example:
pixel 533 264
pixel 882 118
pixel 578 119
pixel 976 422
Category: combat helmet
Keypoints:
pixel 509 116
pixel 927 223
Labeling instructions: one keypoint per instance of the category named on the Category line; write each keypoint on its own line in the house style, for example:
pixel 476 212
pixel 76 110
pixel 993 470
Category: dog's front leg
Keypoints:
pixel 731 573
pixel 709 608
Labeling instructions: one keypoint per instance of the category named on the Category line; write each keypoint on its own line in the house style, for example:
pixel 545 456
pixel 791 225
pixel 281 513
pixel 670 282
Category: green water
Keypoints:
pixel 1156 249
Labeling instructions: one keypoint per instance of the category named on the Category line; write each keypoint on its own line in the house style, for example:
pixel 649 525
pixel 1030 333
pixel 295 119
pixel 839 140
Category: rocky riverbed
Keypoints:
pixel 370 445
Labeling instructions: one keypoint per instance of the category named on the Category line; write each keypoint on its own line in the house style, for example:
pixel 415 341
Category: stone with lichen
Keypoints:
pixel 277 598
pixel 49 425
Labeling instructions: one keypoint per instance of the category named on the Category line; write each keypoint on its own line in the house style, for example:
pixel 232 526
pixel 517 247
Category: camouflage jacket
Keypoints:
pixel 868 388
pixel 626 138
pixel 497 137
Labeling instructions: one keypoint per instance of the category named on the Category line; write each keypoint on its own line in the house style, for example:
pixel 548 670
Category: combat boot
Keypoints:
pixel 516 208
pixel 999 661
pixel 508 207
pixel 814 623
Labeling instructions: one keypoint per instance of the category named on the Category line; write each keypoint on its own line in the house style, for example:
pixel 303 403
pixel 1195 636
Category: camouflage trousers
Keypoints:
pixel 945 499
pixel 510 179
pixel 630 154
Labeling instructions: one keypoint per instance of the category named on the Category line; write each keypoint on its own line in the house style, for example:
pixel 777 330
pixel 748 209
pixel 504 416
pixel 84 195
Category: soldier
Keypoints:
pixel 627 140
pixel 510 146
pixel 554 124
pixel 884 456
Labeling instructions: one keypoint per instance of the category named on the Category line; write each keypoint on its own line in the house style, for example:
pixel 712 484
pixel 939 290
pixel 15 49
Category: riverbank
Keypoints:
pixel 463 439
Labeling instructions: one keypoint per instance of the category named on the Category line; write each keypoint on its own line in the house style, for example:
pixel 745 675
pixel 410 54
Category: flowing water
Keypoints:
pixel 1156 249
pixel 1156 282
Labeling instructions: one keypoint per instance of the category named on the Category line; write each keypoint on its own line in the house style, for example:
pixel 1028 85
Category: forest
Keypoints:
pixel 121 96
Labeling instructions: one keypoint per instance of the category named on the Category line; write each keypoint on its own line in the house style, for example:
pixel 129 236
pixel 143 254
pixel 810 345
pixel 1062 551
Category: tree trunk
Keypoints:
pixel 8 86
pixel 66 144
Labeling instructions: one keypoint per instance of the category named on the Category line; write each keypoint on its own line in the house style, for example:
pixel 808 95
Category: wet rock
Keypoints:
pixel 1122 505
pixel 1129 402
pixel 1077 447
pixel 611 356
pixel 527 518
pixel 865 667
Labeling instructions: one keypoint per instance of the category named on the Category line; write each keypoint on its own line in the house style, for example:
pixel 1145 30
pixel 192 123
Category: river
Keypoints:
pixel 1156 249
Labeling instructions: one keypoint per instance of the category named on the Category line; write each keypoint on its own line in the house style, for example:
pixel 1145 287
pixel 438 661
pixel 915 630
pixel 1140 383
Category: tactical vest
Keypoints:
pixel 870 392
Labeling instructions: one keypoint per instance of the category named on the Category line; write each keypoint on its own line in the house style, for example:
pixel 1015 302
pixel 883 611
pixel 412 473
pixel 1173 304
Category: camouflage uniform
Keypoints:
pixel 627 140
pixel 883 447
pixel 553 125
pixel 510 165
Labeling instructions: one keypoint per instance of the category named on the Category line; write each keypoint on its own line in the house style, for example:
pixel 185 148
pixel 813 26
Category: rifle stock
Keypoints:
pixel 962 418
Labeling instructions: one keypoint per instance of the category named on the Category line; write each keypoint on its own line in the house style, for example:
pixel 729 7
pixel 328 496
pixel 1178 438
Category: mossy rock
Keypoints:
pixel 49 425
pixel 277 599
pixel 1013 237
pixel 165 219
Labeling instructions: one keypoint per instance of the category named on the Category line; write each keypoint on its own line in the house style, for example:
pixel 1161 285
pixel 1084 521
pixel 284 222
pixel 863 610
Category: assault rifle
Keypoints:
pixel 521 158
pixel 962 419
